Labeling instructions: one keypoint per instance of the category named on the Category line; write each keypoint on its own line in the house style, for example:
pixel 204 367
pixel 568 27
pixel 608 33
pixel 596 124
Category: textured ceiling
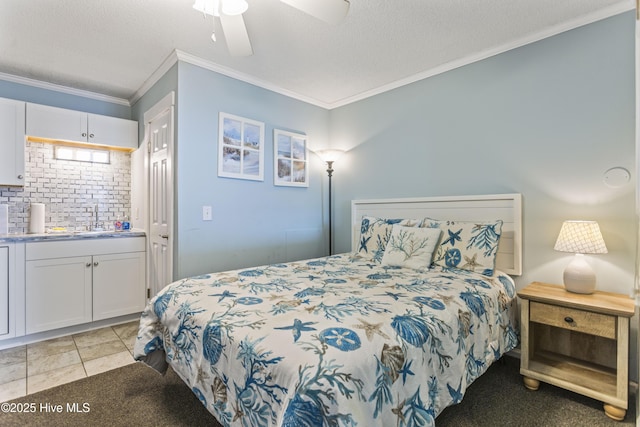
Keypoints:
pixel 111 47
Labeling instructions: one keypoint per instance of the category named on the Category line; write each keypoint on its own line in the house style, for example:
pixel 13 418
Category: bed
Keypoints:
pixel 388 334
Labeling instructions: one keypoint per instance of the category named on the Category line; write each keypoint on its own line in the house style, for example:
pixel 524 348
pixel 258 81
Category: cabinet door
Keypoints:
pixel 58 293
pixel 118 284
pixel 113 131
pixel 12 145
pixel 4 290
pixel 56 123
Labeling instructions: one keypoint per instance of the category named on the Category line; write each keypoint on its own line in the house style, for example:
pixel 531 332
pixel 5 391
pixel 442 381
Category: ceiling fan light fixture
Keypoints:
pixel 234 7
pixel 208 7
pixel 330 11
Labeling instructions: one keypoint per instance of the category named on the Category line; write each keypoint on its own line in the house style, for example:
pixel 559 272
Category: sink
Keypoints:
pixel 91 233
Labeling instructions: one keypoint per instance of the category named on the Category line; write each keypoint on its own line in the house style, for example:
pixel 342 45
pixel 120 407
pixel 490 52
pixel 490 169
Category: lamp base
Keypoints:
pixel 579 277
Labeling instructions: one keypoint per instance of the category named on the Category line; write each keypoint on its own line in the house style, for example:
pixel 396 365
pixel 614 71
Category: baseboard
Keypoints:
pixel 56 333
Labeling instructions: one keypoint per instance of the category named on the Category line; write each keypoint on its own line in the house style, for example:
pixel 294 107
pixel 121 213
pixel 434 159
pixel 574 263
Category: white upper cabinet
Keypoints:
pixel 12 125
pixel 113 131
pixel 70 125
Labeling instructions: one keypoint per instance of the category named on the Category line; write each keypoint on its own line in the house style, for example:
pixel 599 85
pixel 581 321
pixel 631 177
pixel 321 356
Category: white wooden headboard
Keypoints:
pixel 507 207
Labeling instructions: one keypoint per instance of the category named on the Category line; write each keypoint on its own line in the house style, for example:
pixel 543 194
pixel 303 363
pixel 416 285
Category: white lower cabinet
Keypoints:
pixel 4 290
pixel 118 284
pixel 80 281
pixel 58 293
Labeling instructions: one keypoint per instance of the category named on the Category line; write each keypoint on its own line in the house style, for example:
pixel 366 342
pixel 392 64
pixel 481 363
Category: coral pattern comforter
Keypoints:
pixel 336 341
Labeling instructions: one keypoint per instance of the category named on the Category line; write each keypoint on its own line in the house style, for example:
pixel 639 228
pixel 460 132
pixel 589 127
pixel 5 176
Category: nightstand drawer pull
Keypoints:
pixel 587 322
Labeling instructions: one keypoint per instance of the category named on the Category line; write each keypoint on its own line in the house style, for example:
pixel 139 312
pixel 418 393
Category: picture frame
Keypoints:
pixel 291 159
pixel 240 148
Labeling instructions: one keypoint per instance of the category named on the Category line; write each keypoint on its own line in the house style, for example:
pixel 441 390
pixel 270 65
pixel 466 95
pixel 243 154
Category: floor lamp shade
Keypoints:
pixel 580 237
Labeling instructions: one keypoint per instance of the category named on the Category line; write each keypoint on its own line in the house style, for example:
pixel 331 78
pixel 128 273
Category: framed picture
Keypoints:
pixel 241 148
pixel 291 159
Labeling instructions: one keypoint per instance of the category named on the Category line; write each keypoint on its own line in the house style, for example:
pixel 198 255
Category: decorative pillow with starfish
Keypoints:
pixel 374 234
pixel 467 245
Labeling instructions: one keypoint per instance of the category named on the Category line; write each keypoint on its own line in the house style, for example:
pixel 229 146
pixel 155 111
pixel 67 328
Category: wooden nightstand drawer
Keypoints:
pixel 587 322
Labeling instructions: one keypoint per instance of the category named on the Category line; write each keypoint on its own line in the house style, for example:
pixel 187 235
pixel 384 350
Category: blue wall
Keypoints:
pixel 253 222
pixel 545 120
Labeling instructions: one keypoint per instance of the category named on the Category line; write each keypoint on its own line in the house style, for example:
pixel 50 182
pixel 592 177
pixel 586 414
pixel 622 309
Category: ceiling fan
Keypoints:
pixel 230 14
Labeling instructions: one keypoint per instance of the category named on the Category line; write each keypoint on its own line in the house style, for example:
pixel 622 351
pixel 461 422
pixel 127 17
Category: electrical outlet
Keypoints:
pixel 207 214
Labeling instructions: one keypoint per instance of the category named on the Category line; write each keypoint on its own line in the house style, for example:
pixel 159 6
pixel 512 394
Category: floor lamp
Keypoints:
pixel 330 156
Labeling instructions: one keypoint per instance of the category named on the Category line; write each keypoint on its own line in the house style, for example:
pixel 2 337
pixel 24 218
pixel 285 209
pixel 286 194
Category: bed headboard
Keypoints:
pixel 507 207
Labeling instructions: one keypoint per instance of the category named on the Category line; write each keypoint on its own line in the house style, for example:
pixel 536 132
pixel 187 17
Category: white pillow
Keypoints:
pixel 410 247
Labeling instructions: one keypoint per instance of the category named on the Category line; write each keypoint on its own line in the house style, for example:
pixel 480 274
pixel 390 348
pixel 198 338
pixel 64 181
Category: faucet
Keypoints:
pixel 96 226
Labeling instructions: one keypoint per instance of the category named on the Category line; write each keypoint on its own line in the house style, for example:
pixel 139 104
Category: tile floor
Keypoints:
pixel 34 367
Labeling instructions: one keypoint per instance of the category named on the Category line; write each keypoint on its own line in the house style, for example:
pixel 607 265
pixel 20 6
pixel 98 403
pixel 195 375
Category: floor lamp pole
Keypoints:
pixel 330 172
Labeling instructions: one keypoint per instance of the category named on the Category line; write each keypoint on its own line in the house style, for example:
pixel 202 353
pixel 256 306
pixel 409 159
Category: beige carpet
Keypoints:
pixel 135 395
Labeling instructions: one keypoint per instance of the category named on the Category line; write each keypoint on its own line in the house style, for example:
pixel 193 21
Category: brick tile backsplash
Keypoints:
pixel 70 190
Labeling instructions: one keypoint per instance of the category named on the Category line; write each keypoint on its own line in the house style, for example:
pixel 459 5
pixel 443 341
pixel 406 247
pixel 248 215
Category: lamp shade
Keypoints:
pixel 330 155
pixel 580 237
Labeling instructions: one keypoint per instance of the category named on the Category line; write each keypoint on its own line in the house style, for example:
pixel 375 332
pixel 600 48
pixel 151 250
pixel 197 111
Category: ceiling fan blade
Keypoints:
pixel 235 32
pixel 329 11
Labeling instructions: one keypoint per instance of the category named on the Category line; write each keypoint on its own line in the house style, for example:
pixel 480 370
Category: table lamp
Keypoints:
pixel 580 237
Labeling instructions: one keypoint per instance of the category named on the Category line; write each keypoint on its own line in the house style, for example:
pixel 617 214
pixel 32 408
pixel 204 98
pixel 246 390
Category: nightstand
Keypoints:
pixel 578 342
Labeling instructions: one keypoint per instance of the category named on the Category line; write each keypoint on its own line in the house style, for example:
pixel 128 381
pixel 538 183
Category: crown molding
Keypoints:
pixel 178 55
pixel 63 89
pixel 479 56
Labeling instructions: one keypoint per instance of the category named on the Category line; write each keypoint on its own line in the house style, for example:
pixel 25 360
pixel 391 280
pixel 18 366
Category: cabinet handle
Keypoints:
pixel 568 319
pixel 90 135
pixel 95 264
pixel 84 134
pixel 164 236
pixel 20 176
pixel 88 264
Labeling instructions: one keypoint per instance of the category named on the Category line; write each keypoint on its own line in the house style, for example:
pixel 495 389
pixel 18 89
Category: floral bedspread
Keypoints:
pixel 336 341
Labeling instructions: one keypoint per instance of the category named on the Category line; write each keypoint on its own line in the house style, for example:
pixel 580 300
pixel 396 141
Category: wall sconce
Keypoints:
pixel 580 237
pixel 330 156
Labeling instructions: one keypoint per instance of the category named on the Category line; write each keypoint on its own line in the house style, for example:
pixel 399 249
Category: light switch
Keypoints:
pixel 207 214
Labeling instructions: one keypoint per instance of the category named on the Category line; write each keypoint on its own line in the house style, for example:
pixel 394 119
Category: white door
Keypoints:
pixel 160 139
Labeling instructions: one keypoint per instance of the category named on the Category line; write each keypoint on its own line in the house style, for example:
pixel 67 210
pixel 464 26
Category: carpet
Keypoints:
pixel 135 395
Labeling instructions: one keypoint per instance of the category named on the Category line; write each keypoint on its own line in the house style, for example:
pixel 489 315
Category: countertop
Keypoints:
pixel 70 235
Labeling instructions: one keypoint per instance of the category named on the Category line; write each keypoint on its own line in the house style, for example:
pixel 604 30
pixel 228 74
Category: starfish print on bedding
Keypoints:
pixel 398 411
pixel 370 329
pixel 225 294
pixel 238 413
pixel 406 370
pixel 453 237
pixel 298 327
pixel 394 295
pixel 202 376
pixel 471 262
pixel 446 299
